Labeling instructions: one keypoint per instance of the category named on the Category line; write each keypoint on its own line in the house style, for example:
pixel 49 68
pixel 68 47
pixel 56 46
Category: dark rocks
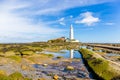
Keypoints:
pixel 63 71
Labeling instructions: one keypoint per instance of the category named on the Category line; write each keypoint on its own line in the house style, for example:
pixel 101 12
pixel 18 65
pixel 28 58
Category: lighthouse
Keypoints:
pixel 71 32
pixel 71 35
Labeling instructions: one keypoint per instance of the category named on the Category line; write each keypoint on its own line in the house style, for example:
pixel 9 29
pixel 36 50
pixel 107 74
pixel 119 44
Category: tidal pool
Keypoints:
pixel 74 60
pixel 65 53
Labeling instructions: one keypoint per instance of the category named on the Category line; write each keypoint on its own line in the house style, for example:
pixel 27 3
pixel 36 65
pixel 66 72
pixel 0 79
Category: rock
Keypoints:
pixel 55 77
pixel 45 65
pixel 24 67
pixel 70 68
pixel 41 79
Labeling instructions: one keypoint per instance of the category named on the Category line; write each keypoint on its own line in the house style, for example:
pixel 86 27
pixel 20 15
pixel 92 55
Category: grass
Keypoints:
pixel 47 55
pixel 3 77
pixel 15 58
pixel 2 72
pixel 27 52
pixel 101 67
pixel 9 53
pixel 39 58
pixel 14 76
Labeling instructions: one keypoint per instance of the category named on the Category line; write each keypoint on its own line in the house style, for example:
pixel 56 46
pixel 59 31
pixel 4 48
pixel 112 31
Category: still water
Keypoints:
pixel 79 69
pixel 66 53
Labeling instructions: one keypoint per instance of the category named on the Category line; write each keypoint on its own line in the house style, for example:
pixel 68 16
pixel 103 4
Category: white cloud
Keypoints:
pixel 61 19
pixel 71 16
pixel 45 7
pixel 14 26
pixel 88 19
pixel 66 4
pixel 62 23
pixel 109 23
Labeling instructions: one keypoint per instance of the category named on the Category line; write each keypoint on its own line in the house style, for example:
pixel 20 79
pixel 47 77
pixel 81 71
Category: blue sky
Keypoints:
pixel 41 20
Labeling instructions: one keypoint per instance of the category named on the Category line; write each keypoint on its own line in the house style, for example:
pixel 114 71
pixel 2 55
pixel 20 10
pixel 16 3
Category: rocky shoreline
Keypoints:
pixel 65 70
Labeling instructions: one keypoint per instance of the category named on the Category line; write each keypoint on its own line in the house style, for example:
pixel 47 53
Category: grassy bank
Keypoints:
pixel 14 76
pixel 99 65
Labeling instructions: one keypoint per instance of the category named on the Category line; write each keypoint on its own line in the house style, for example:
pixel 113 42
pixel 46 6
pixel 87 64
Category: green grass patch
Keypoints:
pixel 3 77
pixel 27 52
pixel 48 55
pixel 16 58
pixel 14 76
pixel 100 66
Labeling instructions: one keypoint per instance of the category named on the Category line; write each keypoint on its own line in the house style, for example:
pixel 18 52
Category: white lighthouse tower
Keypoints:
pixel 71 32
pixel 71 35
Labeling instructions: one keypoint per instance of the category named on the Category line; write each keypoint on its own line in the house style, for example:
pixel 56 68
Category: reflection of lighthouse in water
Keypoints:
pixel 71 53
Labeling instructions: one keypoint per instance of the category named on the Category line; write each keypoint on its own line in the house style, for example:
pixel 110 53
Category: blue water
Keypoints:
pixel 112 54
pixel 65 54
